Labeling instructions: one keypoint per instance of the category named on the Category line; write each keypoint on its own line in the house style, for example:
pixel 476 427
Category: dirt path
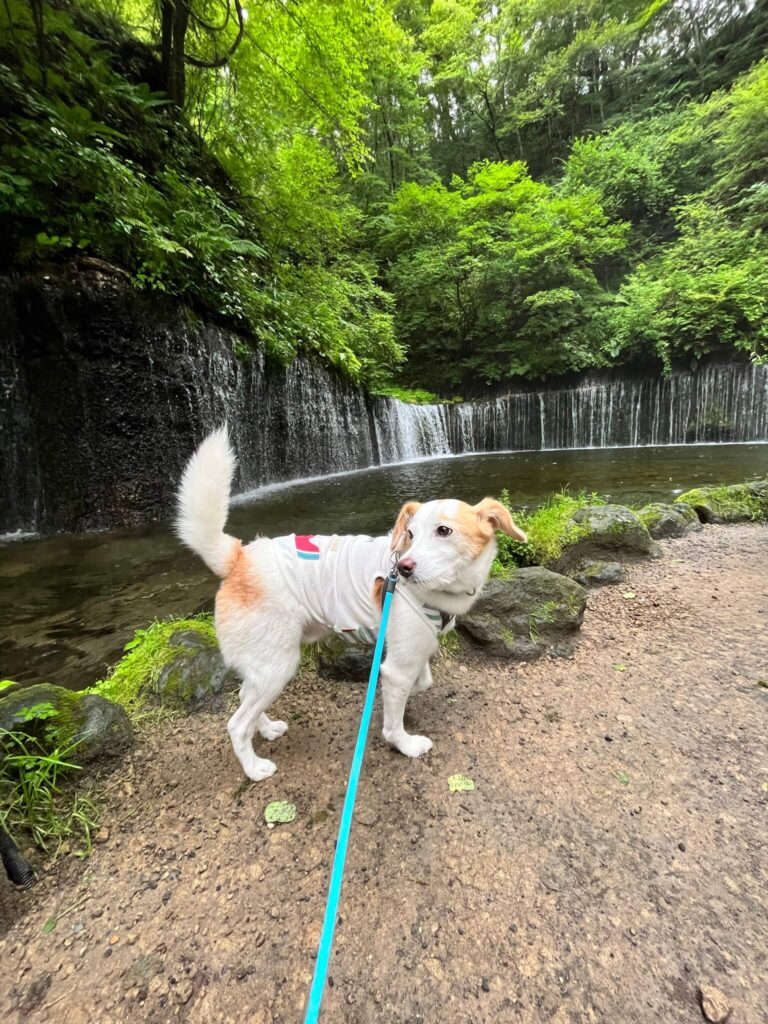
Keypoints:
pixel 611 859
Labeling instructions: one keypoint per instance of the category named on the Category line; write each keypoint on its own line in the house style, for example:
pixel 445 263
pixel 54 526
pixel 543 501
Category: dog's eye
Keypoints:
pixel 410 534
pixel 444 531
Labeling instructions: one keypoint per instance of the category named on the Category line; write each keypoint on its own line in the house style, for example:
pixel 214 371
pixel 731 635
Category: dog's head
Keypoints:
pixel 440 542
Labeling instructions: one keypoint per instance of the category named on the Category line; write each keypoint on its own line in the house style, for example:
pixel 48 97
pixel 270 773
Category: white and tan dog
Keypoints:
pixel 277 593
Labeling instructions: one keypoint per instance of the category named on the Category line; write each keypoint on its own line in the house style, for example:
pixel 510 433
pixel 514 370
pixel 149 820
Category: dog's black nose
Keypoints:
pixel 406 566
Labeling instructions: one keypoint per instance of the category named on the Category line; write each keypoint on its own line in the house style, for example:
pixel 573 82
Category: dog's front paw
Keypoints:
pixel 413 746
pixel 274 730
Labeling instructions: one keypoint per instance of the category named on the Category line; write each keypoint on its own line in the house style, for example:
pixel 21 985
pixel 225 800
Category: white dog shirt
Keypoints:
pixel 334 579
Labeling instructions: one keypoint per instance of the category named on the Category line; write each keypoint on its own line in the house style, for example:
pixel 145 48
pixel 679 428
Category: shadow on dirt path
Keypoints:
pixel 611 860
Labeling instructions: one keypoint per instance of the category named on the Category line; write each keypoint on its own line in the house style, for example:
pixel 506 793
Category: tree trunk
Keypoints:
pixel 390 147
pixel 38 18
pixel 174 20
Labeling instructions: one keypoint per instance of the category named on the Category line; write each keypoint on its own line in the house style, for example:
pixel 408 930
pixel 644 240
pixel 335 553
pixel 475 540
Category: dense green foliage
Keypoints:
pixel 487 190
pixel 501 269
pixel 99 166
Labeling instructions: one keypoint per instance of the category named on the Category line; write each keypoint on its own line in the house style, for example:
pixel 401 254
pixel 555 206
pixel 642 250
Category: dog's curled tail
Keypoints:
pixel 203 502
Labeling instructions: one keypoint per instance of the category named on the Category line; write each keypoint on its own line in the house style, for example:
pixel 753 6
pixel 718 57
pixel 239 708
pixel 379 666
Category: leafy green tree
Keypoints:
pixel 705 293
pixel 496 277
pixel 502 189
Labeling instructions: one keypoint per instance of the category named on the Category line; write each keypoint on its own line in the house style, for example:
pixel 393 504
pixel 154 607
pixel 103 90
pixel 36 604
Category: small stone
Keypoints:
pixel 113 939
pixel 485 985
pixel 102 835
pixel 142 971
pixel 597 574
pixel 182 993
pixel 682 847
pixel 714 1005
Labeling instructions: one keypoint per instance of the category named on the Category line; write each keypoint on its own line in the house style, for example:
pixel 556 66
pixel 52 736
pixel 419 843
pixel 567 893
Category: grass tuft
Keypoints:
pixel 34 797
pixel 550 530
pixel 450 644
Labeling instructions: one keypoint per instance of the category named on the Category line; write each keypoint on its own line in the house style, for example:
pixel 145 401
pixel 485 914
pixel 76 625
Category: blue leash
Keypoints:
pixel 337 872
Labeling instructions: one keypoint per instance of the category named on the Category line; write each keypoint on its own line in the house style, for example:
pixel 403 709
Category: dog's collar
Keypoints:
pixel 446 619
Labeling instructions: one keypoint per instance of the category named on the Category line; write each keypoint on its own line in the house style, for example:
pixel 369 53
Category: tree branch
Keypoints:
pixel 221 62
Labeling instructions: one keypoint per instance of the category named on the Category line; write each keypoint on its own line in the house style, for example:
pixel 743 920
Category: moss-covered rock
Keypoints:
pixel 664 520
pixel 603 528
pixel 195 671
pixel 734 504
pixel 550 529
pixel 61 718
pixel 174 663
pixel 534 611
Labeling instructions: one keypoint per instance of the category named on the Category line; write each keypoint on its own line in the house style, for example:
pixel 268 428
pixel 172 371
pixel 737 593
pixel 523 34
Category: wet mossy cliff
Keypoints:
pixel 106 391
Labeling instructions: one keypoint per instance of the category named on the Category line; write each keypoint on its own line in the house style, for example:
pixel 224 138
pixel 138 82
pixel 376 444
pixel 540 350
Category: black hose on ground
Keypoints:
pixel 17 867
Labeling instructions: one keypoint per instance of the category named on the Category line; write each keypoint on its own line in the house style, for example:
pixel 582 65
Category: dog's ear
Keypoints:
pixel 400 540
pixel 497 516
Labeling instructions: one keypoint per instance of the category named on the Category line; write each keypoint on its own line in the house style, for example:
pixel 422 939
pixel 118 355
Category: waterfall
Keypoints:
pixel 106 392
pixel 718 403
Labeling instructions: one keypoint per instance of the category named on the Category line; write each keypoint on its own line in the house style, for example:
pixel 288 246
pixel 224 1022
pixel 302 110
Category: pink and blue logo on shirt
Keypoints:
pixel 305 548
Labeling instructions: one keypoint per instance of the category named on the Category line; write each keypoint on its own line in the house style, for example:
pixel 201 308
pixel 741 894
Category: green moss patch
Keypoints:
pixel 648 516
pixel 147 654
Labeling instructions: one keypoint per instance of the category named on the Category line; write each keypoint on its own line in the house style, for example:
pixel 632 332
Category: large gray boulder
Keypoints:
pixel 60 718
pixel 195 672
pixel 664 520
pixel 604 528
pixel 532 612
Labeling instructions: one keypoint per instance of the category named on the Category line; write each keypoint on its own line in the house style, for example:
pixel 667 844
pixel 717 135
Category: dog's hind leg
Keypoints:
pixel 257 694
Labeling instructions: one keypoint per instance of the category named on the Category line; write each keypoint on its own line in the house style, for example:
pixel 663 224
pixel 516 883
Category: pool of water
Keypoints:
pixel 68 604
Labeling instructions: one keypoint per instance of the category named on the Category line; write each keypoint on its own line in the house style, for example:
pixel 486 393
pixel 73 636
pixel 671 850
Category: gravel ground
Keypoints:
pixel 610 862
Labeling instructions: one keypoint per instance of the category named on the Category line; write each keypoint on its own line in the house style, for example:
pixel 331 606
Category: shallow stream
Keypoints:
pixel 69 603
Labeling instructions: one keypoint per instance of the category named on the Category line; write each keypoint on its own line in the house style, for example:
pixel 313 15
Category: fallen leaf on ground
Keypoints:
pixel 460 783
pixel 279 812
pixel 619 667
pixel 623 778
pixel 630 595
